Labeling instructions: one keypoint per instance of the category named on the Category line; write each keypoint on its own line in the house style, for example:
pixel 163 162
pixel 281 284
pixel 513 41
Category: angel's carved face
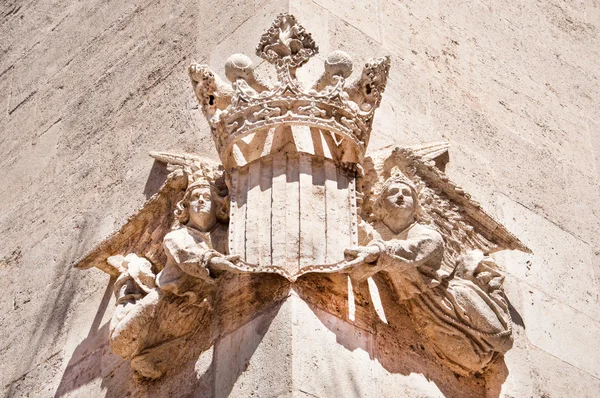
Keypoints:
pixel 201 209
pixel 398 204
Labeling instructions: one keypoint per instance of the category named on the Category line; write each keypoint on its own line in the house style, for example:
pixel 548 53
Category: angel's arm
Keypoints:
pixel 422 246
pixel 191 255
pixel 419 248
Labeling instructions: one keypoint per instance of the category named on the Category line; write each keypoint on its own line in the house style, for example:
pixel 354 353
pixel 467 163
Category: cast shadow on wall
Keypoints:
pixel 393 340
pixel 193 369
pixel 156 179
pixel 93 362
pixel 209 362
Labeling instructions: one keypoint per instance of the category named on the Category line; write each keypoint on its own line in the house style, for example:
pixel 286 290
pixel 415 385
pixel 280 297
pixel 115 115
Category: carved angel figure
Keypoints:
pixel 396 242
pixel 136 299
pixel 155 310
pixel 198 241
pixel 457 300
pixel 466 318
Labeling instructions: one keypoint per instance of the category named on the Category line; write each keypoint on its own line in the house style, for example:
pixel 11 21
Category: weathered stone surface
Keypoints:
pixel 362 15
pixel 562 266
pixel 572 341
pixel 91 88
pixel 554 377
pixel 341 359
pixel 532 370
pixel 246 357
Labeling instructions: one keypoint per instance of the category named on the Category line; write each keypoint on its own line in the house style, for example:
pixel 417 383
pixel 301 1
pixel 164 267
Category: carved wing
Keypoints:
pixel 144 231
pixel 460 219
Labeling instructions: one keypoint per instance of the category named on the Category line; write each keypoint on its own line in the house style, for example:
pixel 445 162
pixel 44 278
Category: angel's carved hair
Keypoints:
pixel 219 198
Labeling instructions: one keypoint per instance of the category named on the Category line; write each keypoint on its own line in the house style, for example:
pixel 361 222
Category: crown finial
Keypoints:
pixel 286 43
pixel 242 111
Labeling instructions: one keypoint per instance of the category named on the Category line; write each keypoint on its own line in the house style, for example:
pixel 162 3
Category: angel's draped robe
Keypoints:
pixel 465 316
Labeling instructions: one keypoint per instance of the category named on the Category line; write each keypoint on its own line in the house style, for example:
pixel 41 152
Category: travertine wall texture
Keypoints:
pixel 90 87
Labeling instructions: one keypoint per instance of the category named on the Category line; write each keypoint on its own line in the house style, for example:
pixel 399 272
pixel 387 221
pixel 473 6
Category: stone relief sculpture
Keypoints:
pixel 437 263
pixel 158 305
pixel 296 193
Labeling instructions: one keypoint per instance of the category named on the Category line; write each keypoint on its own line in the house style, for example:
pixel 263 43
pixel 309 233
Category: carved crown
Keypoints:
pixel 331 104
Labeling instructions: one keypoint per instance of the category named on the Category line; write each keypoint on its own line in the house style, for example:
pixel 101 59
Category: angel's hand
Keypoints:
pixel 136 277
pixel 232 258
pixel 368 254
pixel 223 263
pixel 358 268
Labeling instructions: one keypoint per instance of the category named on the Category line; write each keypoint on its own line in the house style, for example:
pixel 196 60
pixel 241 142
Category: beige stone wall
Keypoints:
pixel 89 88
